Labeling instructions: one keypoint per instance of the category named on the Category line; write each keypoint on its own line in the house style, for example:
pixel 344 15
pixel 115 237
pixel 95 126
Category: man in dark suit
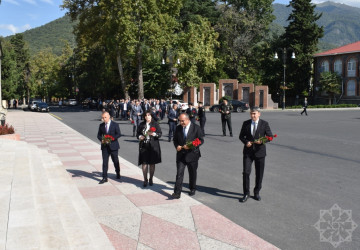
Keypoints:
pixel 173 120
pixel 185 156
pixel 254 150
pixel 191 111
pixel 225 110
pixel 135 115
pixel 202 117
pixel 109 127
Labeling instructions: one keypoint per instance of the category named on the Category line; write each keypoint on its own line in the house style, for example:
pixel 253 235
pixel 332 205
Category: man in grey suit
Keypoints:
pixel 135 115
pixel 185 156
pixel 254 150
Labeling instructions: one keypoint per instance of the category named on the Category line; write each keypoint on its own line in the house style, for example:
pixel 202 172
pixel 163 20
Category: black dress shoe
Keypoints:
pixel 118 176
pixel 192 192
pixel 151 182
pixel 257 197
pixel 231 135
pixel 145 183
pixel 245 198
pixel 175 196
pixel 103 181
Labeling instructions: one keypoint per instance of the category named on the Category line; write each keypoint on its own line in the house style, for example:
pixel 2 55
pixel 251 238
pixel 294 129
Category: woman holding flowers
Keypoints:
pixel 148 133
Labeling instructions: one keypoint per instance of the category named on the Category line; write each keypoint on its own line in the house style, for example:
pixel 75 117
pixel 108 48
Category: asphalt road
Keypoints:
pixel 313 164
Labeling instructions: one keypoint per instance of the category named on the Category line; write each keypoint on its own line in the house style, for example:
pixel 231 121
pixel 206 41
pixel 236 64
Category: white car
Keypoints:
pixel 72 102
pixel 182 105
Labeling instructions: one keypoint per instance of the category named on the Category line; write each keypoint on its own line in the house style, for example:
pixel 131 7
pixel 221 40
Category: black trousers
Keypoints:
pixel 192 169
pixel 106 152
pixel 202 125
pixel 304 111
pixel 223 122
pixel 259 173
pixel 172 128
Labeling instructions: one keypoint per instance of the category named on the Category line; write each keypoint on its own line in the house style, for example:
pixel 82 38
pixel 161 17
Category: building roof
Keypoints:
pixel 346 49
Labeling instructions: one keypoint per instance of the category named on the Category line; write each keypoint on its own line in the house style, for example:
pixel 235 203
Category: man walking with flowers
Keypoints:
pixel 255 133
pixel 108 134
pixel 187 140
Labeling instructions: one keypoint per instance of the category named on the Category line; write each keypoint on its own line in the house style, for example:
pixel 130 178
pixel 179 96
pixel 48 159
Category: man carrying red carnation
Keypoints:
pixel 252 134
pixel 188 138
pixel 110 148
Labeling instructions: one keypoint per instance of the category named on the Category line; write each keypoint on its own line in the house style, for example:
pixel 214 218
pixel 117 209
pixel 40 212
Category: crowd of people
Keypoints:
pixel 187 137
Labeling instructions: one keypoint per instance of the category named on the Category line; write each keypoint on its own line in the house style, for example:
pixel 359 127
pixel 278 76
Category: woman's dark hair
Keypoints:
pixel 147 112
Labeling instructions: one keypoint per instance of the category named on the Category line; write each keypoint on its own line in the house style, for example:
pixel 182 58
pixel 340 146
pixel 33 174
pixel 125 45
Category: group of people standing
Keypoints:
pixel 184 132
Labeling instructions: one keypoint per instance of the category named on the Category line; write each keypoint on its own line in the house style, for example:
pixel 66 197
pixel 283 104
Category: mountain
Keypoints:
pixel 341 23
pixel 51 35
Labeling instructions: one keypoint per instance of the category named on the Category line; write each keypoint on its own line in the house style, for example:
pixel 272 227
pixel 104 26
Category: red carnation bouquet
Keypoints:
pixel 194 143
pixel 107 139
pixel 151 129
pixel 265 139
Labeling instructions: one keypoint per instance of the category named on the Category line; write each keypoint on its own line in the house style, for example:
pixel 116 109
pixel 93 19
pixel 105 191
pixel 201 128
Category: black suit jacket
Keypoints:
pixel 114 131
pixel 263 129
pixel 189 155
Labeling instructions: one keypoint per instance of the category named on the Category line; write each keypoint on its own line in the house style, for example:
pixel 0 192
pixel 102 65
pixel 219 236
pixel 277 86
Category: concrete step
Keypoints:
pixel 41 208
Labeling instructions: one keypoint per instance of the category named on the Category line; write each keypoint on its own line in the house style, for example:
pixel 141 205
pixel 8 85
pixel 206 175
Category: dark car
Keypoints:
pixel 90 103
pixel 238 106
pixel 42 107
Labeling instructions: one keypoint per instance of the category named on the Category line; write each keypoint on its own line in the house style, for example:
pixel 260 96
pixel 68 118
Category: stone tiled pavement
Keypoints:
pixel 50 199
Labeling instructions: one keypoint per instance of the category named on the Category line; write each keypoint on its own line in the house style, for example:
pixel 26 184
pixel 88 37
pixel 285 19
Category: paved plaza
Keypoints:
pixel 312 165
pixel 50 199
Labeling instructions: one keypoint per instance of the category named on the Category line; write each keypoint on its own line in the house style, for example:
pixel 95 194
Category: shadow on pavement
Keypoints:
pixel 213 191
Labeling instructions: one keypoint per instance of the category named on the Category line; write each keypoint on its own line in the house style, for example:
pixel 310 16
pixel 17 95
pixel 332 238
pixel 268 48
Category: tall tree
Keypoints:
pixel 22 62
pixel 302 35
pixel 242 25
pixel 9 72
pixel 126 27
pixel 330 82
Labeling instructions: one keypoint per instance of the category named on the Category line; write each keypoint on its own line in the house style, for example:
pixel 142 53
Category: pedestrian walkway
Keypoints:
pixel 50 199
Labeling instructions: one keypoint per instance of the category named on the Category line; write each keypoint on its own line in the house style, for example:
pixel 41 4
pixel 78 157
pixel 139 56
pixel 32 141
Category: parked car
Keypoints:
pixel 238 106
pixel 42 107
pixel 182 105
pixel 72 102
pixel 32 104
pixel 90 103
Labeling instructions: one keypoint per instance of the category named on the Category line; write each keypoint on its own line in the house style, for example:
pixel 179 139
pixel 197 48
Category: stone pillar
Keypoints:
pixel 207 94
pixel 190 95
pixel 246 93
pixel 228 87
pixel 261 96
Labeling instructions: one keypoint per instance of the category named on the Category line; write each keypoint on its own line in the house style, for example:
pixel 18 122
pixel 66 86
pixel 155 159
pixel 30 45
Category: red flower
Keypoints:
pixel 152 129
pixel 132 122
pixel 275 135
pixel 194 111
pixel 196 142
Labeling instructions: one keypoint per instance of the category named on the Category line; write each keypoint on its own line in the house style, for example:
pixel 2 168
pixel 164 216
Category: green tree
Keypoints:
pixel 242 25
pixel 302 35
pixel 126 28
pixel 331 83
pixel 196 48
pixel 22 63
pixel 9 73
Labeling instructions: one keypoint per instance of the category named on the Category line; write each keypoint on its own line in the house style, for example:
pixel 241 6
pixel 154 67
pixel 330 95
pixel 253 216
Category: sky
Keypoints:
pixel 16 16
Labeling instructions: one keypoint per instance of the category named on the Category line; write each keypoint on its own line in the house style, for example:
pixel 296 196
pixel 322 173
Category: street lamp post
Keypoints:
pixel 284 50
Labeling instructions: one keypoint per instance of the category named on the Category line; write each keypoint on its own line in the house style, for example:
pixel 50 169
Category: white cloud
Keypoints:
pixel 48 1
pixel 11 1
pixel 33 2
pixel 355 3
pixel 13 29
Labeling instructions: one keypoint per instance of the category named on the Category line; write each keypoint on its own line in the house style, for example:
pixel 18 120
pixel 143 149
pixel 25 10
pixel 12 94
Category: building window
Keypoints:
pixel 338 67
pixel 350 90
pixel 351 67
pixel 325 66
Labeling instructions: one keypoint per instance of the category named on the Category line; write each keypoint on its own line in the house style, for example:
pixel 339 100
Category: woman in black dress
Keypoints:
pixel 149 133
